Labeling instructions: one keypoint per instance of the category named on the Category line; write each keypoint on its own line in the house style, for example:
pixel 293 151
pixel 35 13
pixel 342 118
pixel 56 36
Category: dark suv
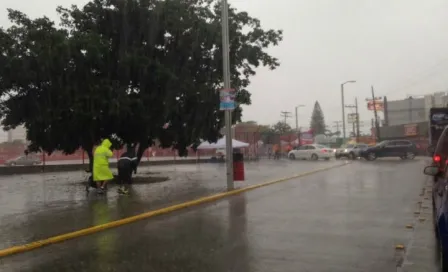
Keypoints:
pixel 403 149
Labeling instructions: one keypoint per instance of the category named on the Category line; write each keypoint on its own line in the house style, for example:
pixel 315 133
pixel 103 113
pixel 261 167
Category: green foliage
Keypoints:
pixel 317 120
pixel 126 68
pixel 281 128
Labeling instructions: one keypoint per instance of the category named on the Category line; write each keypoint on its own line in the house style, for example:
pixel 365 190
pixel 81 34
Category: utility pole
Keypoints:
pixel 377 126
pixel 356 121
pixel 297 116
pixel 343 106
pixel 226 76
pixel 286 115
pixel 337 125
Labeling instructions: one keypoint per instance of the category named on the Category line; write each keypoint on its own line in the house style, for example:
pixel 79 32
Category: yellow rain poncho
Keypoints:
pixel 101 170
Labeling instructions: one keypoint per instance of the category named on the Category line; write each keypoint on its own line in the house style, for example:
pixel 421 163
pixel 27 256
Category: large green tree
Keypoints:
pixel 317 120
pixel 281 128
pixel 140 70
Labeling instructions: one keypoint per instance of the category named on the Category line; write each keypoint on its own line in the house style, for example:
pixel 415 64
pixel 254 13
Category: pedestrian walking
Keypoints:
pixel 101 170
pixel 127 163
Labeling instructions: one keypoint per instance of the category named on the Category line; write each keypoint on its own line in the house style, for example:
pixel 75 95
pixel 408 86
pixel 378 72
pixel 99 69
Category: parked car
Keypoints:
pixel 403 149
pixel 311 152
pixel 440 153
pixel 440 211
pixel 23 160
pixel 351 151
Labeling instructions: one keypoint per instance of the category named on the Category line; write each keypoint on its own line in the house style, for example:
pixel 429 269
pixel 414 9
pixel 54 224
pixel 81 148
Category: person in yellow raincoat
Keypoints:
pixel 101 171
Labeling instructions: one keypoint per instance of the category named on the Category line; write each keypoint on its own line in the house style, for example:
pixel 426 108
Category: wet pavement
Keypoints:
pixel 346 219
pixel 37 206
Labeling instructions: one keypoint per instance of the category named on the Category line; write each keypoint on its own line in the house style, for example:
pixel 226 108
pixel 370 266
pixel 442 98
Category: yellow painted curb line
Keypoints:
pixel 399 247
pixel 128 220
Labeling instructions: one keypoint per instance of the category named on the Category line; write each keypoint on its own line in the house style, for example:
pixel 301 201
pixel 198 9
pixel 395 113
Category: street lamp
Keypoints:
pixel 343 105
pixel 297 116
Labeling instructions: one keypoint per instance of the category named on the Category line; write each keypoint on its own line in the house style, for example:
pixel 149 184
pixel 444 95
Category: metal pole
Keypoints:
pixel 377 126
pixel 226 75
pixel 297 120
pixel 357 120
pixel 343 111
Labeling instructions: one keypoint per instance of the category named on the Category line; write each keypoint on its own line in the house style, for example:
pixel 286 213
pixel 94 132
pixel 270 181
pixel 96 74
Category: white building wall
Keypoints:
pixel 429 103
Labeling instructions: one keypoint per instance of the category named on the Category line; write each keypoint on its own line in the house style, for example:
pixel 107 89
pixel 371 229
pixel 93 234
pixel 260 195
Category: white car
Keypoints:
pixel 311 152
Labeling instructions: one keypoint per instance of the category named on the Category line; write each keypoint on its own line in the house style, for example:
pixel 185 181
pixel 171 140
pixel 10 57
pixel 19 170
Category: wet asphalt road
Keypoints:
pixel 344 219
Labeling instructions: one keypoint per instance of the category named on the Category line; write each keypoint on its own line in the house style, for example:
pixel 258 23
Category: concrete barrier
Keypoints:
pixel 20 170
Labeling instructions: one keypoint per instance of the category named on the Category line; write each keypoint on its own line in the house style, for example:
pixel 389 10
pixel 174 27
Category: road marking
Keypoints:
pixel 146 215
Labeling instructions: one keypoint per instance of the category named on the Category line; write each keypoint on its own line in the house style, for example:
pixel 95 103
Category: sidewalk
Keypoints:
pixel 421 253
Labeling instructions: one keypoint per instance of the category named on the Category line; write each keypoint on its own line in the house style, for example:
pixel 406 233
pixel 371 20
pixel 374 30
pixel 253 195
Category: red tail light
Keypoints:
pixel 324 151
pixel 437 158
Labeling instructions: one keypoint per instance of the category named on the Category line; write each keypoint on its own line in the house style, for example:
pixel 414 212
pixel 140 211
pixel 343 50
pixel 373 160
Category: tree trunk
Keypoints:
pixel 141 150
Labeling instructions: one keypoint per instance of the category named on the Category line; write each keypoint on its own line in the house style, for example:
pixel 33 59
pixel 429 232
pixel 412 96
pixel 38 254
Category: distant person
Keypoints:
pixel 127 163
pixel 269 153
pixel 276 150
pixel 101 170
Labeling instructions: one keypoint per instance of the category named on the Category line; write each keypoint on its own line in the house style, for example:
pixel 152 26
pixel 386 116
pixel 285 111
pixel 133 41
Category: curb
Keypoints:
pixel 51 168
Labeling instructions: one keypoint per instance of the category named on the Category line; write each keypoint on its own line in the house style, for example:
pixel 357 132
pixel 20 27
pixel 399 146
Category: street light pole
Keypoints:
pixel 343 106
pixel 226 76
pixel 357 120
pixel 297 116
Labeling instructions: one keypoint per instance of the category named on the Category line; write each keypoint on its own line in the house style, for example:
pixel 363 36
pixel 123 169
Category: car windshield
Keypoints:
pixel 321 146
pixel 349 146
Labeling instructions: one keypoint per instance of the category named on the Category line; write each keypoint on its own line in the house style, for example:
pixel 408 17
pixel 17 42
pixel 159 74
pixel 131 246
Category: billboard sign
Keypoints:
pixel 227 99
pixel 352 118
pixel 410 130
pixel 379 105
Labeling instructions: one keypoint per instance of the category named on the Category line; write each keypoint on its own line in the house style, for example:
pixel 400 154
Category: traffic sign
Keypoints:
pixel 227 99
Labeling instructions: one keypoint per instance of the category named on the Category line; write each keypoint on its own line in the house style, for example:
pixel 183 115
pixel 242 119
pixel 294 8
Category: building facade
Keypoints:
pixel 413 109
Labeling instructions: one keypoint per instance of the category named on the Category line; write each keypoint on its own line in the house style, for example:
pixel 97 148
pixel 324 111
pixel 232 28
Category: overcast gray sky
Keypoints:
pixel 399 46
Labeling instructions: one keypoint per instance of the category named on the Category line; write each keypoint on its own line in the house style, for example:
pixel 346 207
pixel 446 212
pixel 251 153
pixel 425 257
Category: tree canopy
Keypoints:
pixel 131 70
pixel 281 128
pixel 317 120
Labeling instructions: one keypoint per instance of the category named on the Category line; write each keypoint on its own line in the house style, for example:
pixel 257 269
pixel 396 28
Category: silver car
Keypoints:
pixel 350 151
pixel 24 160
